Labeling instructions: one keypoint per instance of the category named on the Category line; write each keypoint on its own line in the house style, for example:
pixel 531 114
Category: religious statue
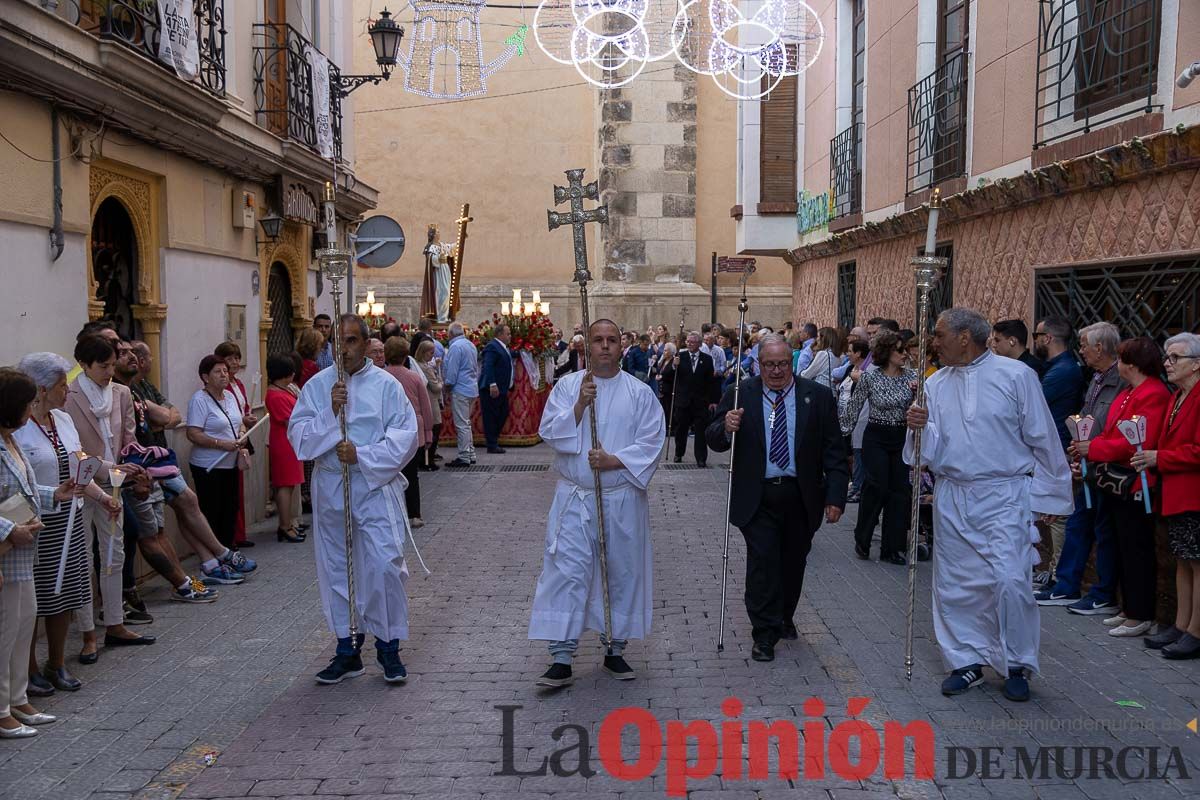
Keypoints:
pixel 443 271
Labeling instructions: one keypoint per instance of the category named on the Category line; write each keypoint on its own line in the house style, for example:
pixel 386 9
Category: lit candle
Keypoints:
pixel 363 309
pixel 537 297
pixel 504 308
pixel 935 203
pixel 516 301
pixel 370 297
pixel 528 309
pixel 545 309
pixel 377 309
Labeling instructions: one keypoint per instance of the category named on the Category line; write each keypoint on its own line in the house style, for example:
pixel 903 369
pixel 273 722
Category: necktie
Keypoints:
pixel 695 358
pixel 779 437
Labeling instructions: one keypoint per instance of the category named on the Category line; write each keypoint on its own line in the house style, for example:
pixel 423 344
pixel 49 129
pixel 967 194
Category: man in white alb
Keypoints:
pixel 992 446
pixel 381 430
pixel 569 597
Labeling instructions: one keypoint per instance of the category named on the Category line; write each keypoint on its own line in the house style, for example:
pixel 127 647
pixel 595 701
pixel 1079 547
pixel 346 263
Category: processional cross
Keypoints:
pixel 577 192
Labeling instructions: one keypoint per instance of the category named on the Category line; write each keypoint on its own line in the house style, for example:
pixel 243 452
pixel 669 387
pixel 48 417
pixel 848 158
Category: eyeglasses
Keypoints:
pixel 1039 334
pixel 772 366
pixel 1175 357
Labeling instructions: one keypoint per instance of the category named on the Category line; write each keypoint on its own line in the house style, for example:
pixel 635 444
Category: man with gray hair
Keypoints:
pixel 991 443
pixel 461 373
pixel 1090 524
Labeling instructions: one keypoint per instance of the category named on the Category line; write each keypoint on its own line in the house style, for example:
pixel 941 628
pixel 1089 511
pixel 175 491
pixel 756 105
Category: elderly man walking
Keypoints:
pixel 461 373
pixel 993 448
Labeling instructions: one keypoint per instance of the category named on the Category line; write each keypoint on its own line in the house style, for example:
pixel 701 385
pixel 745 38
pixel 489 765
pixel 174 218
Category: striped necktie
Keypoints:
pixel 779 437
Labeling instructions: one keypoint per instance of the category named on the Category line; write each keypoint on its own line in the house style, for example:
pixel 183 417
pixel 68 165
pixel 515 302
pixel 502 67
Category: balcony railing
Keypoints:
pixel 1096 61
pixel 937 125
pixel 135 24
pixel 845 171
pixel 283 86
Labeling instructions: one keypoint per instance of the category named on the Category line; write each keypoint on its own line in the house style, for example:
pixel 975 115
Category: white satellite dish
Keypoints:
pixel 379 242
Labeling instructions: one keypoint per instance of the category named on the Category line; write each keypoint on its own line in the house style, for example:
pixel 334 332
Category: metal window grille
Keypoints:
pixel 845 172
pixel 937 125
pixel 847 293
pixel 283 93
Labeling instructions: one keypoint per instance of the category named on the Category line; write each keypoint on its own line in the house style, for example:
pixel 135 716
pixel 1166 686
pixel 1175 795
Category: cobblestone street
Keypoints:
pixel 231 683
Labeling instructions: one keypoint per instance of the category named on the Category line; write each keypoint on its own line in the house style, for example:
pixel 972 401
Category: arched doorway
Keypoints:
pixel 115 266
pixel 279 299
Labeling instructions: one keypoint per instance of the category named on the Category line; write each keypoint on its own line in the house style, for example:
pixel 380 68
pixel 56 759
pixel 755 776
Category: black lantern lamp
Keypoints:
pixel 385 35
pixel 271 226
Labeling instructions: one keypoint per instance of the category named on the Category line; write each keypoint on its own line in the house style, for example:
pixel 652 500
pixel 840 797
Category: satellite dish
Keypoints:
pixel 379 242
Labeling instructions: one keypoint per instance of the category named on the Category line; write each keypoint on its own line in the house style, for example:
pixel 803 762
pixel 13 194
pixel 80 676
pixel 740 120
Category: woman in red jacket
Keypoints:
pixel 1178 462
pixel 1138 362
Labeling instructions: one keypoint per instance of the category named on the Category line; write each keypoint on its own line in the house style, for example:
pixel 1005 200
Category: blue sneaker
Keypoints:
pixel 1016 686
pixel 222 574
pixel 1050 597
pixel 393 668
pixel 243 565
pixel 1091 607
pixel 962 680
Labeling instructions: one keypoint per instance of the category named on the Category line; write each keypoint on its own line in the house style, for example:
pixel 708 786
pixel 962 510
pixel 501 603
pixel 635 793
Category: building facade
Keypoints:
pixel 1065 154
pixel 133 177
pixel 663 148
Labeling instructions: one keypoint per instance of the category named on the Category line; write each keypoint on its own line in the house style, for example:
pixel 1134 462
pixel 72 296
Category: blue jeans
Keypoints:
pixel 1085 527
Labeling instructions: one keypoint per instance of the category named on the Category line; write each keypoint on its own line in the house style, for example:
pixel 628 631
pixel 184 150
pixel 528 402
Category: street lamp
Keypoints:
pixel 385 38
pixel 271 225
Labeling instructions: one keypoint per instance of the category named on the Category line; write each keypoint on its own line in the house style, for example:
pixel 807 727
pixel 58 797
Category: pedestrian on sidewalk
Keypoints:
pixel 631 429
pixel 461 370
pixel 381 437
pixel 789 472
pixel 992 445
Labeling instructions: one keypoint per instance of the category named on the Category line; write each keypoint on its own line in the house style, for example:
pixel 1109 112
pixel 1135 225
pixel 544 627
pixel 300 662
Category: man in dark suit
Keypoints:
pixel 789 471
pixel 495 381
pixel 693 373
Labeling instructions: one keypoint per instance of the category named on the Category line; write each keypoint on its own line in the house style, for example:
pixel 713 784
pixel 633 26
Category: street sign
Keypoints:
pixel 735 264
pixel 379 242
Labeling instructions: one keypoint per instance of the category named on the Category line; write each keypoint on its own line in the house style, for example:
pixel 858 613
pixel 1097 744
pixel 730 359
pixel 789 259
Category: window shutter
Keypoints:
pixel 777 147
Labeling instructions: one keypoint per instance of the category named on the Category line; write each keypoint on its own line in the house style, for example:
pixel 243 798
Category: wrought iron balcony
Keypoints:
pixel 845 171
pixel 136 24
pixel 283 86
pixel 1097 61
pixel 937 125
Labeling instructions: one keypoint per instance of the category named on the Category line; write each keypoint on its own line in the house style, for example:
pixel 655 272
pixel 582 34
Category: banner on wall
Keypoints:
pixel 178 46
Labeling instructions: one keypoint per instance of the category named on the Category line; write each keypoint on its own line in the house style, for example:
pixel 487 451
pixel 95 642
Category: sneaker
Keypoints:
pixel 340 668
pixel 962 680
pixel 618 668
pixel 393 668
pixel 221 574
pixel 134 600
pixel 1090 607
pixel 558 675
pixel 1125 629
pixel 135 616
pixel 1112 622
pixel 1048 597
pixel 194 592
pixel 1016 686
pixel 241 564
pixel 1042 580
pixel 459 463
pixel 416 522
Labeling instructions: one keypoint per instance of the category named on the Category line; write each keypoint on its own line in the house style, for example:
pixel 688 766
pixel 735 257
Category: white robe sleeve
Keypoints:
pixel 380 462
pixel 558 427
pixel 313 430
pixel 931 442
pixel 641 457
pixel 1051 490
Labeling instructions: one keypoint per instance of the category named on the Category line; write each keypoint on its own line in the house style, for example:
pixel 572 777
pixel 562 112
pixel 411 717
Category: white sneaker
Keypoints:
pixel 1113 622
pixel 1125 629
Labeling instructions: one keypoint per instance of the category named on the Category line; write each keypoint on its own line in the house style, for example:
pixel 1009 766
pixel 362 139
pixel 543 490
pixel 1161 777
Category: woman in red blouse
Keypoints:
pixel 286 471
pixel 1146 396
pixel 1178 462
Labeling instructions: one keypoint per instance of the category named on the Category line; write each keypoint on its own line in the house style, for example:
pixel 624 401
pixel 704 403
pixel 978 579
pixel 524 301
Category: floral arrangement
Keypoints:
pixel 533 334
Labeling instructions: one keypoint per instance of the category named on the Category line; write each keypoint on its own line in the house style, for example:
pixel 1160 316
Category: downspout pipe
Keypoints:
pixel 56 231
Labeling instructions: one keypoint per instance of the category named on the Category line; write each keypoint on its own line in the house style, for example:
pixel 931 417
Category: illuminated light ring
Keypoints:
pixel 734 60
pixel 798 27
pixel 698 25
pixel 554 24
pixel 633 44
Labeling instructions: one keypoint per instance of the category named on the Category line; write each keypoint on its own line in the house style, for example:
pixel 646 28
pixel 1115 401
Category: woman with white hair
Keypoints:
pixel 48 439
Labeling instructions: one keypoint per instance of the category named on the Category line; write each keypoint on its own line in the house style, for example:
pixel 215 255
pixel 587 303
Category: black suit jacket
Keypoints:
pixel 819 451
pixel 691 388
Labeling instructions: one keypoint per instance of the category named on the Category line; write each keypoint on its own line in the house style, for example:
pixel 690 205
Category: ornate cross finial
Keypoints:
pixel 577 217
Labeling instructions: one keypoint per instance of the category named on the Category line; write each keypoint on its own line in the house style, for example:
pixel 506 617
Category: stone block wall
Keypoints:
pixel 647 143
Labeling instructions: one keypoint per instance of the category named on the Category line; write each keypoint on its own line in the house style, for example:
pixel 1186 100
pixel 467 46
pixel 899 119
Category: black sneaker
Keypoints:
pixel 393 669
pixel 962 680
pixel 135 616
pixel 1016 687
pixel 618 668
pixel 559 675
pixel 458 463
pixel 340 668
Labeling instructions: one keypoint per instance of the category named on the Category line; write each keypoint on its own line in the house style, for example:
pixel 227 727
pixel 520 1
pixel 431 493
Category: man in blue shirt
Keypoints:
pixel 461 373
pixel 808 337
pixel 1062 384
pixel 637 360
pixel 324 326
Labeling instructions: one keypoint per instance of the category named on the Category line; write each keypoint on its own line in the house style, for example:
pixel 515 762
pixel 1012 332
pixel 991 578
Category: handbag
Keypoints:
pixel 1114 479
pixel 159 462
